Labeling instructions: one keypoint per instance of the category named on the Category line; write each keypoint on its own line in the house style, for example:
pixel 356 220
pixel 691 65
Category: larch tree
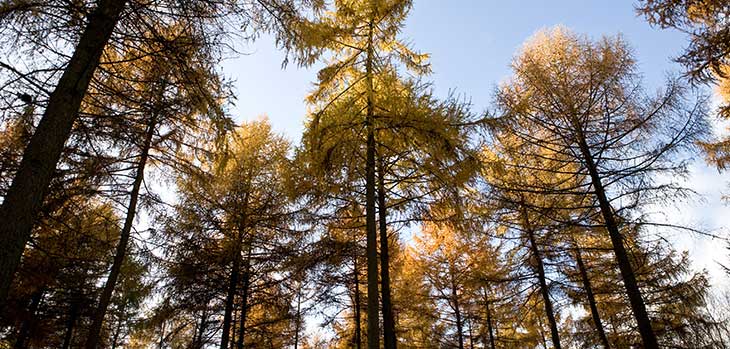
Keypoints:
pixel 82 31
pixel 584 101
pixel 237 206
pixel 361 39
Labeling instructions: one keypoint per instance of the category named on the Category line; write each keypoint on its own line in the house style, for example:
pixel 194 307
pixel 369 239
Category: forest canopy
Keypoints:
pixel 139 210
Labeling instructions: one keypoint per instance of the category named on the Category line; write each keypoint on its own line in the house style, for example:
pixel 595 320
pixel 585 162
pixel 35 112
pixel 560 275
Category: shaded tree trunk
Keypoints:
pixel 638 306
pixel 371 228
pixel 591 298
pixel 390 340
pixel 490 330
pixel 457 310
pixel 93 338
pixel 230 294
pixel 358 306
pixel 244 299
pixel 298 324
pixel 30 184
pixel 555 336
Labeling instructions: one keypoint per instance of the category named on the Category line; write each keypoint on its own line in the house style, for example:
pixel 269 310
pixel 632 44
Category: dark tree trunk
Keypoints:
pixel 371 228
pixel 389 337
pixel 489 322
pixel 23 334
pixel 457 310
pixel 298 324
pixel 25 195
pixel 228 312
pixel 70 323
pixel 358 306
pixel 244 299
pixel 555 336
pixel 638 306
pixel 591 298
pixel 233 329
pixel 106 295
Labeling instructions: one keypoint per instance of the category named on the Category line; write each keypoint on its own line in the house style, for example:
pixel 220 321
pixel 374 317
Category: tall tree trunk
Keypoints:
pixel 244 298
pixel 389 337
pixel 457 309
pixel 23 334
pixel 93 338
pixel 638 307
pixel 358 306
pixel 25 195
pixel 555 336
pixel 298 323
pixel 489 321
pixel 70 323
pixel 228 312
pixel 233 328
pixel 591 298
pixel 372 233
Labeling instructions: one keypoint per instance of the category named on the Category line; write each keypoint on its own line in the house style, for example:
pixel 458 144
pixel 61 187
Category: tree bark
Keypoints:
pixel 371 228
pixel 489 322
pixel 358 306
pixel 28 189
pixel 638 306
pixel 298 323
pixel 93 338
pixel 244 299
pixel 555 336
pixel 457 309
pixel 390 340
pixel 591 298
pixel 227 315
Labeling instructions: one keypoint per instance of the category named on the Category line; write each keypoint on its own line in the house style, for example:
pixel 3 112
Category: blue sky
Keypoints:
pixel 471 43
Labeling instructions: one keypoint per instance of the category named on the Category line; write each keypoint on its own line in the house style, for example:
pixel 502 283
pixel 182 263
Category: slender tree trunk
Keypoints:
pixel 233 328
pixel 543 283
pixel 638 306
pixel 457 310
pixel 244 298
pixel 298 323
pixel 389 336
pixel 93 338
pixel 591 298
pixel 23 334
pixel 358 306
pixel 228 312
pixel 70 323
pixel 372 233
pixel 26 193
pixel 489 322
